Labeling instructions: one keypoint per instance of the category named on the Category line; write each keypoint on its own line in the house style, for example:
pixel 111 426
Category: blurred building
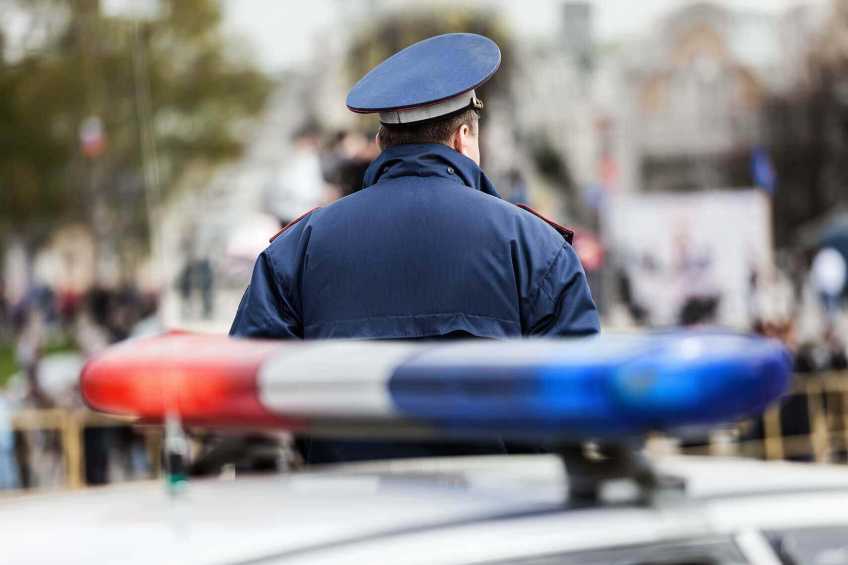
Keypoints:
pixel 681 109
pixel 697 86
pixel 553 109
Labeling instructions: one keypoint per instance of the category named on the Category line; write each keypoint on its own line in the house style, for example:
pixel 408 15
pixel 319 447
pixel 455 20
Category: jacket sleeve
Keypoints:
pixel 561 304
pixel 266 309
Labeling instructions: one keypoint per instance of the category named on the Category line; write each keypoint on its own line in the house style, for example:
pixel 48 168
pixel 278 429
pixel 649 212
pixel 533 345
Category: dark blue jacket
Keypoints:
pixel 426 249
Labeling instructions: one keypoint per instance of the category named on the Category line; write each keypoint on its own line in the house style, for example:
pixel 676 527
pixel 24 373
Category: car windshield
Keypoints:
pixel 722 551
pixel 813 546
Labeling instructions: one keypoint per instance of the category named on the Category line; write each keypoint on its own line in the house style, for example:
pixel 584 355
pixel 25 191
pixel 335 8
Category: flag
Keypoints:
pixel 92 137
pixel 762 170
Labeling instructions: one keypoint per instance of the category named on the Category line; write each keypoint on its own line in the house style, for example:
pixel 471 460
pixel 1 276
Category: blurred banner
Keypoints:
pixel 689 257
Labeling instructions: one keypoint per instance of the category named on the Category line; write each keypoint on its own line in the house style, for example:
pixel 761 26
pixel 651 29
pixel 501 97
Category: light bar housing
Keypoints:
pixel 601 387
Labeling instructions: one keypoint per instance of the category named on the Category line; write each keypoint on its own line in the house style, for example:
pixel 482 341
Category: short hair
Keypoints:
pixel 437 130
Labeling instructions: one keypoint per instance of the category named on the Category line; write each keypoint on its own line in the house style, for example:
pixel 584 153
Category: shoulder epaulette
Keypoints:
pixel 291 223
pixel 562 230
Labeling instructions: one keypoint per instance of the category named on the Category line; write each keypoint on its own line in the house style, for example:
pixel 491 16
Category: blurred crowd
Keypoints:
pixel 322 167
pixel 798 306
pixel 51 333
pixel 791 301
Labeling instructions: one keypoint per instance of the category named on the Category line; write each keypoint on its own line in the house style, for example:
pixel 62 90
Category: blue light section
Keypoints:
pixel 603 387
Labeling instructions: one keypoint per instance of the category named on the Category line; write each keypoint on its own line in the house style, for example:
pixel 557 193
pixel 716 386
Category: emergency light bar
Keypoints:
pixel 602 387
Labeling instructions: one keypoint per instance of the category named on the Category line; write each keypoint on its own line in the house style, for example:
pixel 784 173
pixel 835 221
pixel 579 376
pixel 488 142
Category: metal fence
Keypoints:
pixel 66 430
pixel 810 424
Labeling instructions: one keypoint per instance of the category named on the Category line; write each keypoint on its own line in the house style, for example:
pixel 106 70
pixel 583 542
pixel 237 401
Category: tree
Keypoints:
pixel 85 64
pixel 807 132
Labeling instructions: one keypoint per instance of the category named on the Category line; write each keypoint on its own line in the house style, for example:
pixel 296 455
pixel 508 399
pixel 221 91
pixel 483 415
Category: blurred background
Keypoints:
pixel 149 149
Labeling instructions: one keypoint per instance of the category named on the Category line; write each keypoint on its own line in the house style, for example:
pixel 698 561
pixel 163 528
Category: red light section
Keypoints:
pixel 205 379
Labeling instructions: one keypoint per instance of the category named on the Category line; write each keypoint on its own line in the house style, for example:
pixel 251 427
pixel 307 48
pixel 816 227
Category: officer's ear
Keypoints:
pixel 461 137
pixel 464 141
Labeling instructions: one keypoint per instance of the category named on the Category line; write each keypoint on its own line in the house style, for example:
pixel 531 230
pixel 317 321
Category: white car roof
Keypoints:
pixel 457 510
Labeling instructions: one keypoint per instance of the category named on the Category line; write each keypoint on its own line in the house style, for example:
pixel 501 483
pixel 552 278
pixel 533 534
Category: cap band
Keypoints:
pixel 443 108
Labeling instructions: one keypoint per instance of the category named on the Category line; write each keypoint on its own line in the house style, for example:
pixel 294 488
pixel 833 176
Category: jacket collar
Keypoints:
pixel 427 160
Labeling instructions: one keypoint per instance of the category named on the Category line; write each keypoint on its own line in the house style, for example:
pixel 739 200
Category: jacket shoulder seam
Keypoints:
pixel 291 223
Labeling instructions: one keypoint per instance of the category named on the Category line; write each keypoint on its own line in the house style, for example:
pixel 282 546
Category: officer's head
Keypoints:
pixel 426 92
pixel 458 131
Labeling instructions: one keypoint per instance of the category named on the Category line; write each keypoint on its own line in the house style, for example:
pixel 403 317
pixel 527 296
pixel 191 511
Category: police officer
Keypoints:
pixel 427 249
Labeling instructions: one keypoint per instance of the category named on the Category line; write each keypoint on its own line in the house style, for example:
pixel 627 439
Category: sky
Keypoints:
pixel 282 33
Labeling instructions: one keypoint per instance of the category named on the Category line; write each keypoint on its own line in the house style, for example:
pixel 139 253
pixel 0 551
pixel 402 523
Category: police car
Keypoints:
pixel 605 504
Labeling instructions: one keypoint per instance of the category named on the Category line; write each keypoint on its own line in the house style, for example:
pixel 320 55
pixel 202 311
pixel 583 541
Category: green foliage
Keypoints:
pixel 92 65
pixel 807 135
pixel 34 142
pixel 8 367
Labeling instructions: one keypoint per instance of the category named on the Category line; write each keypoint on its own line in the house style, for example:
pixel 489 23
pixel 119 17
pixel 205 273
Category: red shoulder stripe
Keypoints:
pixel 563 231
pixel 291 223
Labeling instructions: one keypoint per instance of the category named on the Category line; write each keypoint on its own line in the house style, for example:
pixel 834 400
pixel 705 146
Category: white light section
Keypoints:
pixel 339 379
